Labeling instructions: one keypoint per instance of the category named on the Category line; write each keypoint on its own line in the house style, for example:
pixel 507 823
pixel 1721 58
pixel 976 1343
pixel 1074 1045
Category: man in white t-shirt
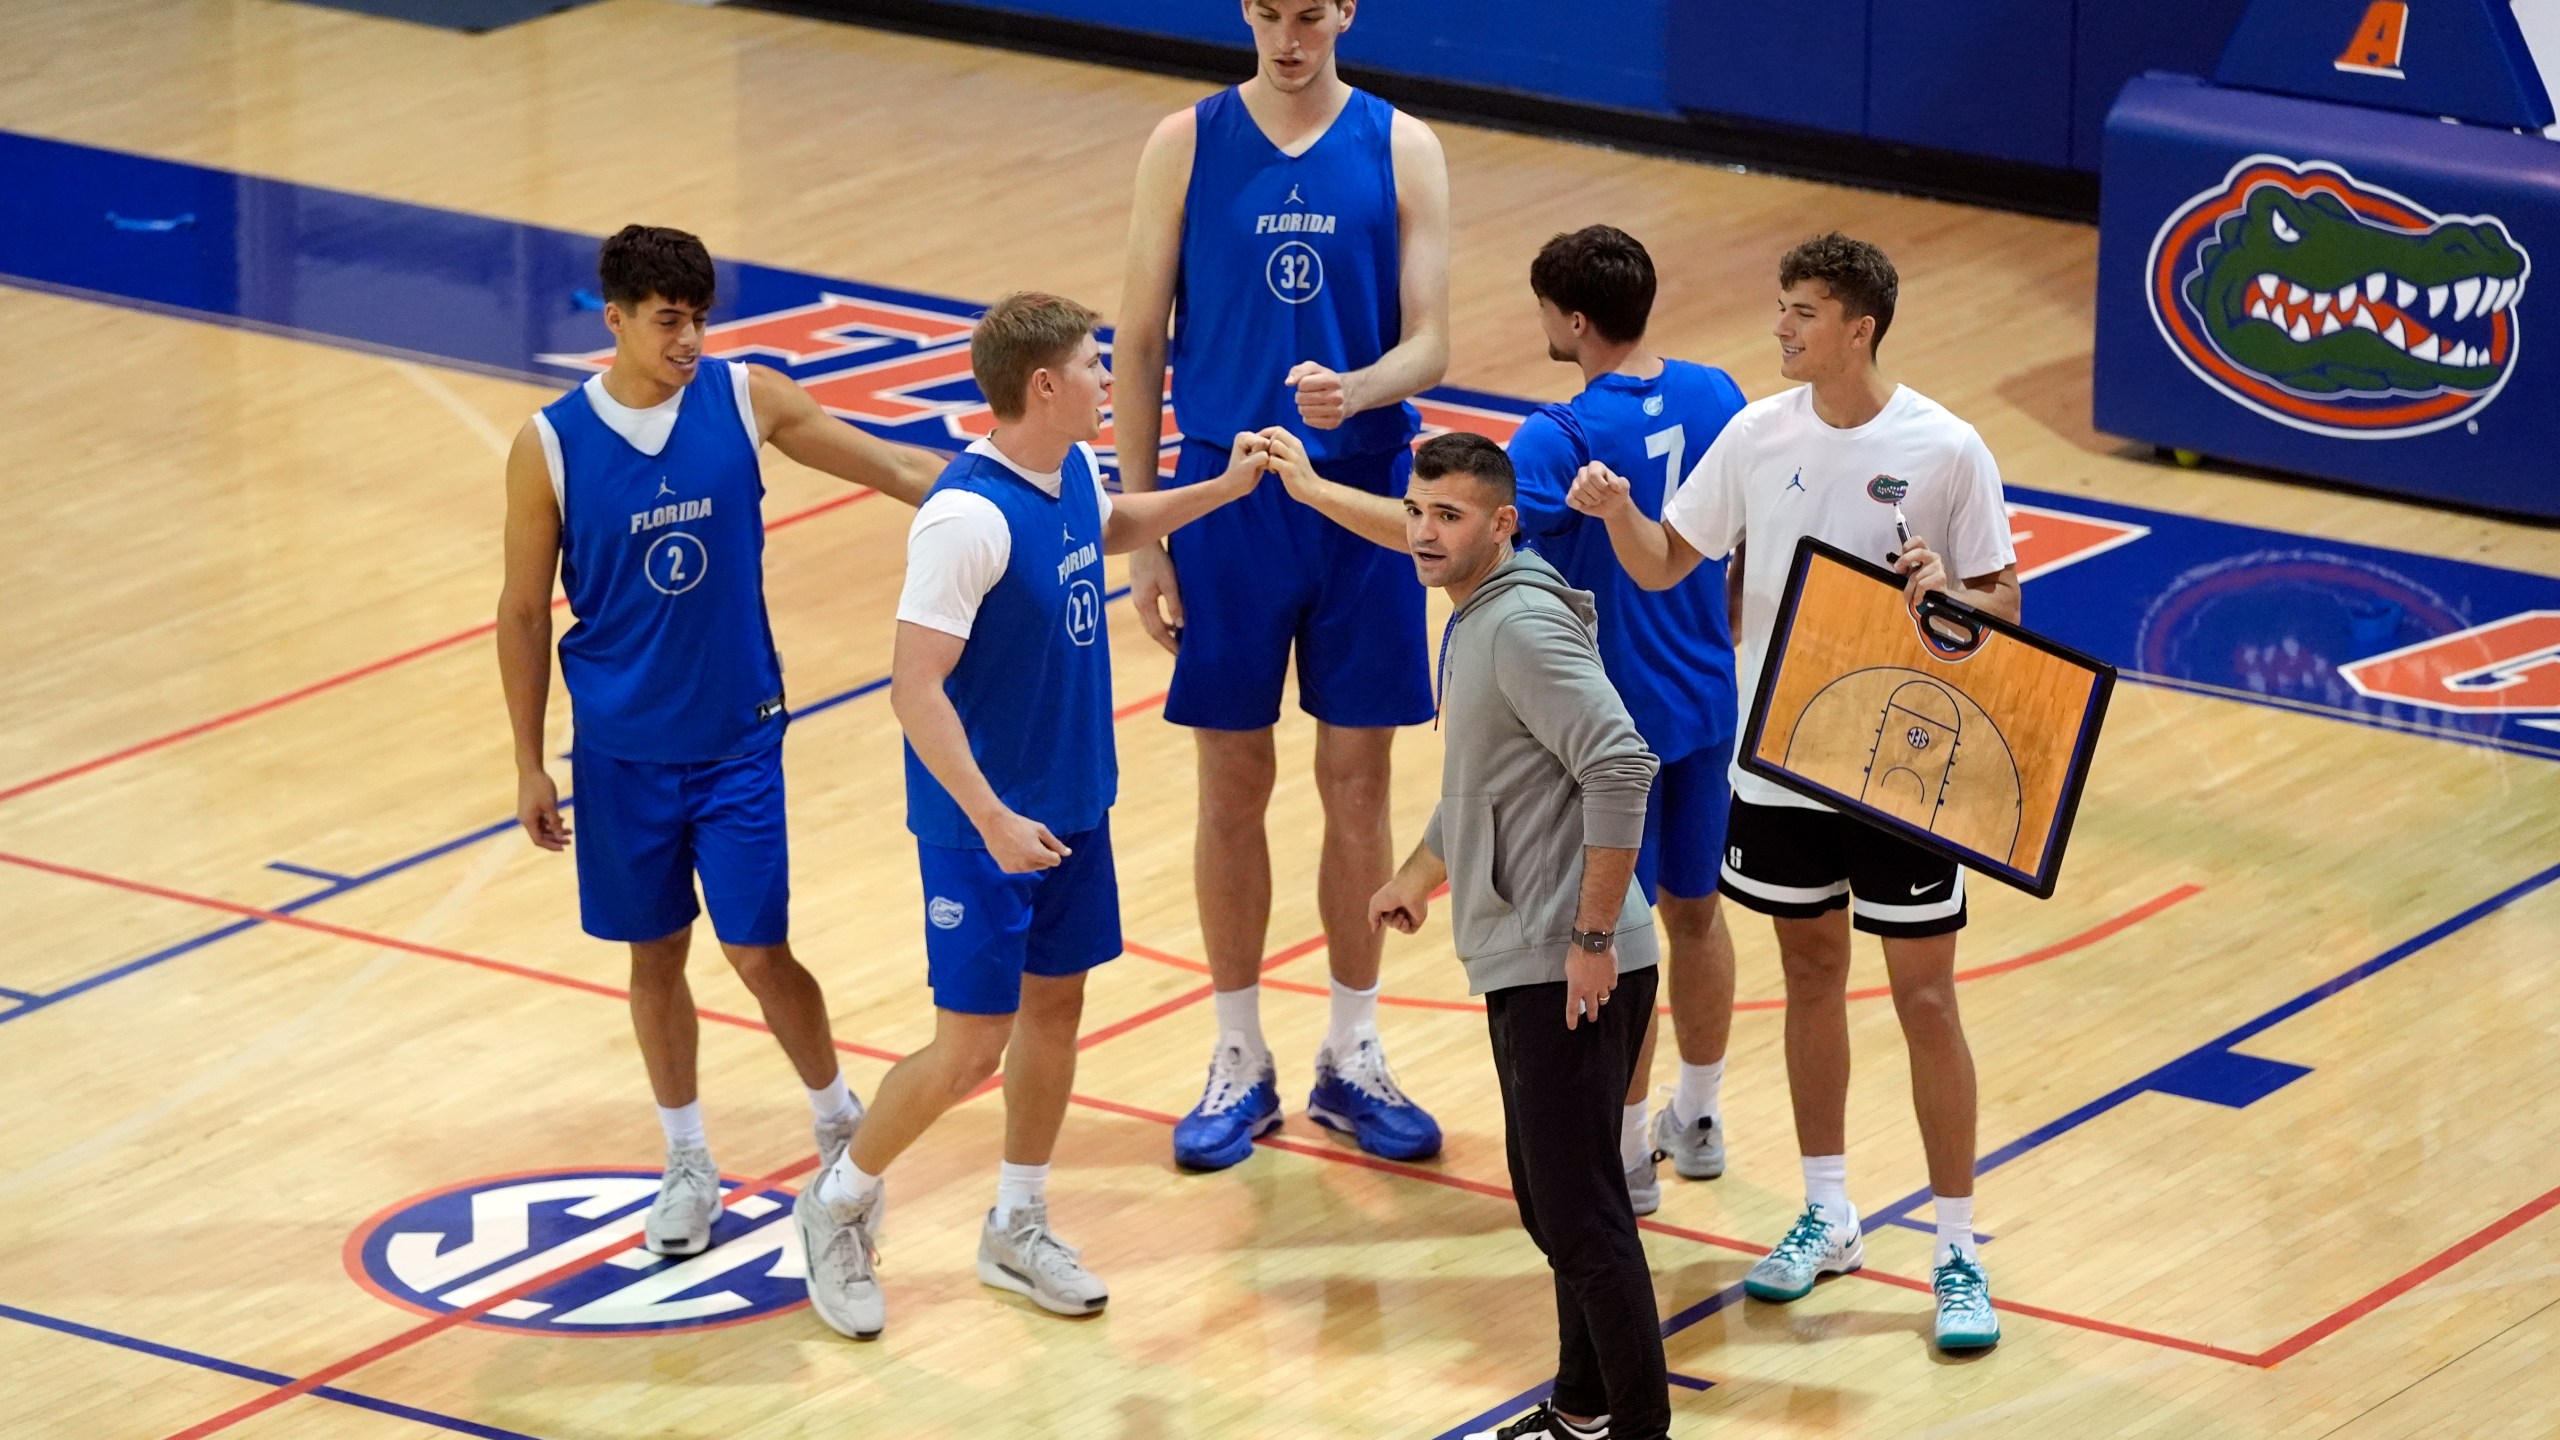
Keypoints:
pixel 1835 458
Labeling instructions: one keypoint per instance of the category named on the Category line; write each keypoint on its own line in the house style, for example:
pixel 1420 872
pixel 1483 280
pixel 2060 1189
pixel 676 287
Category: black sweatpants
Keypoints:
pixel 1563 1092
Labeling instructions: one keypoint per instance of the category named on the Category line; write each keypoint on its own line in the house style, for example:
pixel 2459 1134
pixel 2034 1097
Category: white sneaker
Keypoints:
pixel 1696 1150
pixel 1644 1186
pixel 842 1254
pixel 688 1199
pixel 834 1138
pixel 1025 1258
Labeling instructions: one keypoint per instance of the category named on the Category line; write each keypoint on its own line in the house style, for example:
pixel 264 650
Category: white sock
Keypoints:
pixel 1955 1227
pixel 1826 1188
pixel 1597 1425
pixel 1240 1014
pixel 1633 1148
pixel 1354 1012
pixel 835 1103
pixel 1701 1089
pixel 846 1183
pixel 1018 1186
pixel 683 1124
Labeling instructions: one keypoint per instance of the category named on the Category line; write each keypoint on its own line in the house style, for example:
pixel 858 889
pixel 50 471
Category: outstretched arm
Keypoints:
pixel 524 632
pixel 1138 521
pixel 1652 552
pixel 800 428
pixel 1375 518
pixel 1420 357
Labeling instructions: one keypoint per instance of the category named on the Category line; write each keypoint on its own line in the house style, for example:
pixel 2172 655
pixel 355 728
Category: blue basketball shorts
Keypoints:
pixel 1266 574
pixel 1684 825
pixel 646 830
pixel 984 929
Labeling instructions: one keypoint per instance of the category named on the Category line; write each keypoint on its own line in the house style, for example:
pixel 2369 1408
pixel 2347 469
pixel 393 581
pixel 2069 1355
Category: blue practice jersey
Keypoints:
pixel 1033 686
pixel 1669 652
pixel 1286 259
pixel 671 659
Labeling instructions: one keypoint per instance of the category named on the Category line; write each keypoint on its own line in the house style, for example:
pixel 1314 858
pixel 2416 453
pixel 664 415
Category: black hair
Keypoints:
pixel 1860 277
pixel 639 261
pixel 1601 273
pixel 1460 452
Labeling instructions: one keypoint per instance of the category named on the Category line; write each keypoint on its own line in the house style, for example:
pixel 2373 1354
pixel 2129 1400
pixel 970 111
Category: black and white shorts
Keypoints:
pixel 1795 863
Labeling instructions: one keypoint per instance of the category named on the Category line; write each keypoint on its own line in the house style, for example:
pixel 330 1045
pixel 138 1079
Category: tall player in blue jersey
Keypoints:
pixel 1668 652
pixel 1002 682
pixel 1294 234
pixel 639 491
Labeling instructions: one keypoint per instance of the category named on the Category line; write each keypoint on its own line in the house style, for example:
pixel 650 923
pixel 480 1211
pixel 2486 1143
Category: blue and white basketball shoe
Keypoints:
pixel 1358 1095
pixel 1241 1102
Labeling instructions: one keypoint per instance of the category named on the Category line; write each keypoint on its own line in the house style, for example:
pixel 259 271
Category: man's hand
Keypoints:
pixel 1588 979
pixel 1288 460
pixel 1246 460
pixel 1151 584
pixel 1324 396
pixel 1922 571
pixel 1601 492
pixel 538 810
pixel 1395 907
pixel 1019 844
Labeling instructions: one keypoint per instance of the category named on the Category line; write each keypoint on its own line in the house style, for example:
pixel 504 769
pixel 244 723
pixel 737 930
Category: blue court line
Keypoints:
pixel 326 877
pixel 8 994
pixel 1898 1213
pixel 264 1377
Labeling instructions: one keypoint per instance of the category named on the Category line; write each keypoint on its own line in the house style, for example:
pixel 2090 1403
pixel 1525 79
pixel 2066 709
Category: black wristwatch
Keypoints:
pixel 1595 941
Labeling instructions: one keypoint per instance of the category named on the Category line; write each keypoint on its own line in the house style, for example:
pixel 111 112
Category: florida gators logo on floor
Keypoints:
pixel 2334 306
pixel 454 1248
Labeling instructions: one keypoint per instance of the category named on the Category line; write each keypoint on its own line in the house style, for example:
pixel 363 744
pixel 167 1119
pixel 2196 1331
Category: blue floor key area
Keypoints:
pixel 2225 1077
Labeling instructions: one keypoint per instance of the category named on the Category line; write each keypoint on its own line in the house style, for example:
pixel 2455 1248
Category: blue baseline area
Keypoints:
pixel 250 1372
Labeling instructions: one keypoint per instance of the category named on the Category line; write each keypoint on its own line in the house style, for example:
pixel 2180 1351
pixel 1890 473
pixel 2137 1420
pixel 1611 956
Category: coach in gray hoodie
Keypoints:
pixel 1542 801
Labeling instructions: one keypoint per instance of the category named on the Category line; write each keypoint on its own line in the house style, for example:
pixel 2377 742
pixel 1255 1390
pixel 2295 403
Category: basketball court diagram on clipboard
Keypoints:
pixel 1952 728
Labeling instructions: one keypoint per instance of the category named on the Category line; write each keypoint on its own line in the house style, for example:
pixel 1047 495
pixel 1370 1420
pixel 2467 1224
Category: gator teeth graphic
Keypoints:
pixel 2295 289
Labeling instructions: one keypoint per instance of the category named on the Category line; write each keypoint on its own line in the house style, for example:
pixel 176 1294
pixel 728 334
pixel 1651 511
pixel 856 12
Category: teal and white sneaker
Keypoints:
pixel 1696 1149
pixel 1966 1320
pixel 1813 1248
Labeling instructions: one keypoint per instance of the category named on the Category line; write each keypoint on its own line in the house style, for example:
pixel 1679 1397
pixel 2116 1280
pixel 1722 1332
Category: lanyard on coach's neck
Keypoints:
pixel 1440 689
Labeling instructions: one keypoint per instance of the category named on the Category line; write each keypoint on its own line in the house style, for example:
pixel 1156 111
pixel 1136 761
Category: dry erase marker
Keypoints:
pixel 1902 529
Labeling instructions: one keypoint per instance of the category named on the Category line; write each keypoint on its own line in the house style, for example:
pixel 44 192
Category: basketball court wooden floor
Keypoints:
pixel 2265 1106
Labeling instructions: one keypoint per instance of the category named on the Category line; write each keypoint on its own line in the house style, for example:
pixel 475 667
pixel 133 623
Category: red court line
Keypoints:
pixel 1331 1153
pixel 2462 1250
pixel 346 677
pixel 429 1329
pixel 1134 706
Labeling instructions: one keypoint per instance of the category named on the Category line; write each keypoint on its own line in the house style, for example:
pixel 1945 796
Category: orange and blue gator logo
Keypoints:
pixel 2334 306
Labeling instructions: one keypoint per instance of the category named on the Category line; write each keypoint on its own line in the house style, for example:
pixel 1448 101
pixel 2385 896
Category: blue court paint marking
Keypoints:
pixel 2230 611
pixel 2200 1060
pixel 250 1372
pixel 328 877
pixel 2226 1077
pixel 1689 1382
pixel 21 995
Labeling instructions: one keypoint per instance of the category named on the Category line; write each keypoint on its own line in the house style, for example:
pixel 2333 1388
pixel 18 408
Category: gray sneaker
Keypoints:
pixel 1025 1258
pixel 1696 1150
pixel 842 1254
pixel 688 1198
pixel 1813 1248
pixel 1644 1186
pixel 834 1138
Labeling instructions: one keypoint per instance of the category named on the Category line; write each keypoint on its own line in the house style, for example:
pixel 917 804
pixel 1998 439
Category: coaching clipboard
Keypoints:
pixel 1951 728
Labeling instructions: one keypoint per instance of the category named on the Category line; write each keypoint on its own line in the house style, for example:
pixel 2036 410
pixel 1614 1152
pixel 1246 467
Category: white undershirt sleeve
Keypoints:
pixel 957 550
pixel 551 457
pixel 1093 467
pixel 746 399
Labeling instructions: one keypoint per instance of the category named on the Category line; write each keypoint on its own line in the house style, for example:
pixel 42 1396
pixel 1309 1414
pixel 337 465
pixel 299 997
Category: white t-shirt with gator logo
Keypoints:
pixel 1779 473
